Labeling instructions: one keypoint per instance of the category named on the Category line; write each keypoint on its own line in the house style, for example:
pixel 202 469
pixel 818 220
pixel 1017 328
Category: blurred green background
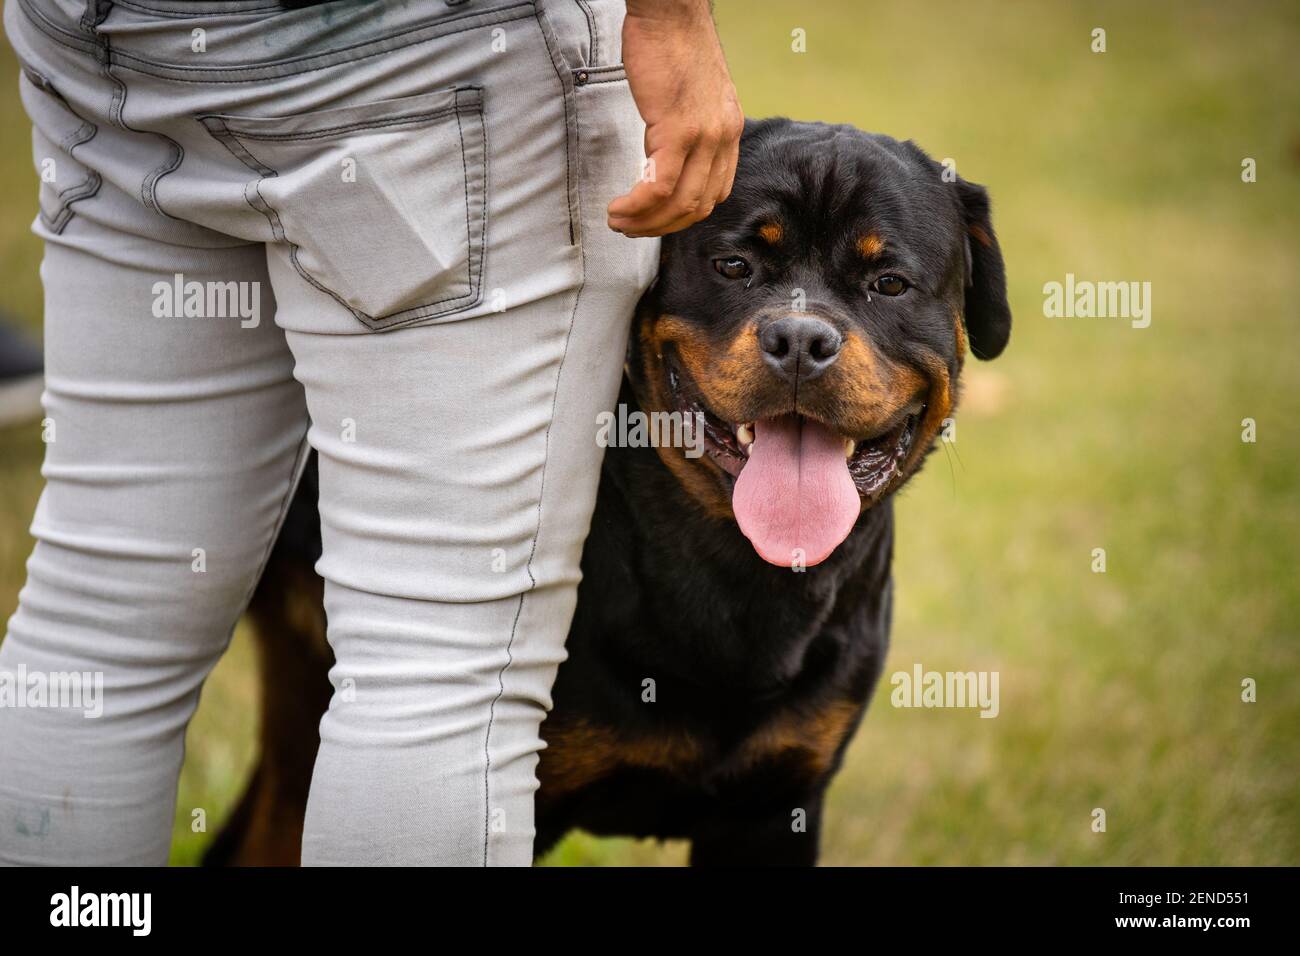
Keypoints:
pixel 1119 690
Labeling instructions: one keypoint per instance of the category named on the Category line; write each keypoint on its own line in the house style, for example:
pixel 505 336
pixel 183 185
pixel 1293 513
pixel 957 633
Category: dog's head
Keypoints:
pixel 818 320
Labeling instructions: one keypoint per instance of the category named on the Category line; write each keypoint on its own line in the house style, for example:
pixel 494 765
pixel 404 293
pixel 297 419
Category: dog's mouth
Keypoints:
pixel 799 484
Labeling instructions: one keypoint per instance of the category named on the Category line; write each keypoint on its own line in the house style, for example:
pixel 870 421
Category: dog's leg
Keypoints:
pixel 227 845
pixel 788 836
pixel 289 623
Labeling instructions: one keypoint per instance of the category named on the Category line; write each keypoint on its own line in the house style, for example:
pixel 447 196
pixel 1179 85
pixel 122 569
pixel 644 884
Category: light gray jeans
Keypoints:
pixel 375 229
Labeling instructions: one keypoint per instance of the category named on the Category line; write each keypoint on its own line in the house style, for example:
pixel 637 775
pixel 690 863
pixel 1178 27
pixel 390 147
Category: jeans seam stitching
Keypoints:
pixel 82 135
pixel 612 77
pixel 149 185
pixel 528 566
pixel 179 15
pixel 325 131
pixel 594 55
pixel 570 121
pixel 58 222
pixel 541 493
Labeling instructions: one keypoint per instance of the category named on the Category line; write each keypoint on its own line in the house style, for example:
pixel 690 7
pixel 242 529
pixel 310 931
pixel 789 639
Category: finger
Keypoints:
pixel 722 177
pixel 686 202
pixel 665 166
pixel 729 177
pixel 719 176
pixel 712 195
pixel 729 151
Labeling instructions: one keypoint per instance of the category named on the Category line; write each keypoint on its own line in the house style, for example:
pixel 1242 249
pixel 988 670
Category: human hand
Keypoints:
pixel 683 90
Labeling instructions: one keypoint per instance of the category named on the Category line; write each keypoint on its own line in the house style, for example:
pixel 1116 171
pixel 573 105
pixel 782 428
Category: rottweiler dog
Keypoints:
pixel 734 611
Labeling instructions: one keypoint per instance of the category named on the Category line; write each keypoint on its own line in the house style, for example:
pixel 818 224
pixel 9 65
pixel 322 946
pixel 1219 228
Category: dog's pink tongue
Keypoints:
pixel 795 500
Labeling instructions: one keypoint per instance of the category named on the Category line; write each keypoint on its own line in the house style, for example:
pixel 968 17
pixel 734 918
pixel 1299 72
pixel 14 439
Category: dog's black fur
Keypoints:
pixel 759 674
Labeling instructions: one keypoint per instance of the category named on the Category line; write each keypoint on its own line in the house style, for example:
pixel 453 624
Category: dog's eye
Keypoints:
pixel 890 285
pixel 733 267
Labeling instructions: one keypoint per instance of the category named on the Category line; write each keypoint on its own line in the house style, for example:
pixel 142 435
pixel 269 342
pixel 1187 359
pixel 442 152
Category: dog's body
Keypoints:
pixel 707 695
pixel 729 629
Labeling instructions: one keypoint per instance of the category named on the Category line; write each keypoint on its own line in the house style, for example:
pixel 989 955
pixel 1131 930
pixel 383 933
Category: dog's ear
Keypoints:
pixel 988 316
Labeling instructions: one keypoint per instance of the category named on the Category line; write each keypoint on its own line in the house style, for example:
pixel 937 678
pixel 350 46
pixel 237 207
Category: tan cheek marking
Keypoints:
pixel 873 387
pixel 982 237
pixel 723 378
pixel 940 406
pixel 861 382
pixel 870 245
pixel 700 486
pixel 907 383
pixel 772 233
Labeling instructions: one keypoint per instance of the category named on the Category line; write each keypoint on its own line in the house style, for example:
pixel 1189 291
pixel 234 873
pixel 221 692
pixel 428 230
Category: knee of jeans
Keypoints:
pixel 186 601
pixel 425 702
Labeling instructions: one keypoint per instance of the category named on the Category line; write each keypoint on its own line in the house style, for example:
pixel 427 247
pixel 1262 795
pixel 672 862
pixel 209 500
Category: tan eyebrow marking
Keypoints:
pixel 870 245
pixel 772 233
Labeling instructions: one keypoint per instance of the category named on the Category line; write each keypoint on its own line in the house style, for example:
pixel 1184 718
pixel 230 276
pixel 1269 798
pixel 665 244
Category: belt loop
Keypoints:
pixel 96 12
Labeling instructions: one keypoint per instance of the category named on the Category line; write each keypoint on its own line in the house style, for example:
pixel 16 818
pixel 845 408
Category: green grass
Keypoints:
pixel 1119 690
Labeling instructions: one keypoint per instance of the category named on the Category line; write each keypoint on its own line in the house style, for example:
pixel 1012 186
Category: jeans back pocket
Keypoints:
pixel 383 205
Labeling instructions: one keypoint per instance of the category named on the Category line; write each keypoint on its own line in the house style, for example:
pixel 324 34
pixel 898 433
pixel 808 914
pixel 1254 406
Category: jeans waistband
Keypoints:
pixel 588 32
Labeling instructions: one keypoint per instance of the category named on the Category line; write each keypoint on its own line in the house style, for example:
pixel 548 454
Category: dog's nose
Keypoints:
pixel 800 345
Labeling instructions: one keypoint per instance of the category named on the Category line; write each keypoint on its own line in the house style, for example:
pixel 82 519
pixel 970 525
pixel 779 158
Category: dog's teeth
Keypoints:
pixel 745 436
pixel 849 446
